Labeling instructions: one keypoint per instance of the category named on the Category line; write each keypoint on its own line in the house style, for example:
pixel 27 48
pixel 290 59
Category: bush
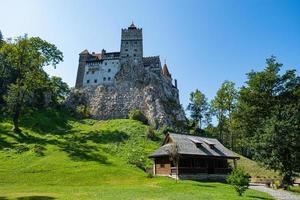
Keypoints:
pixel 239 179
pixel 150 175
pixel 39 150
pixel 138 159
pixel 21 148
pixel 138 115
pixel 82 112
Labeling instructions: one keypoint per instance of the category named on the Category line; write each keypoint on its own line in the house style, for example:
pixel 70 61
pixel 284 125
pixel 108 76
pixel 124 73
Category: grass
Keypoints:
pixel 295 189
pixel 255 170
pixel 58 157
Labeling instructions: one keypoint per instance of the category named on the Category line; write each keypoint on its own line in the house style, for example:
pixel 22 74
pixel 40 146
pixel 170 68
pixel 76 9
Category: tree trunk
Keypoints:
pixel 286 181
pixel 16 117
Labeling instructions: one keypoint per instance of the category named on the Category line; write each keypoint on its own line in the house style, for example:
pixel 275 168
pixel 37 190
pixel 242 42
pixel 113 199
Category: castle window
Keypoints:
pixel 95 81
pixel 135 42
pixel 126 49
pixel 93 72
pixel 105 63
pixel 126 42
pixel 134 55
pixel 113 62
pixel 87 72
pixel 135 49
pixel 109 70
pixel 127 55
pixel 88 81
pixel 104 78
pixel 109 78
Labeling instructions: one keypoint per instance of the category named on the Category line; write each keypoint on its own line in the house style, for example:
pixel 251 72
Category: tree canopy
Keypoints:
pixel 22 73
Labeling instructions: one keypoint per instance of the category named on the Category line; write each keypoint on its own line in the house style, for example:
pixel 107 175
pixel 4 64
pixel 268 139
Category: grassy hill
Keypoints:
pixel 58 157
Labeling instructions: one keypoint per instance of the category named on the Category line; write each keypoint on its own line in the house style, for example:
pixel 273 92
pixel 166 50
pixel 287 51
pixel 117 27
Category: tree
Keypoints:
pixel 239 179
pixel 1 39
pixel 26 57
pixel 268 117
pixel 174 156
pixel 198 108
pixel 59 90
pixel 223 105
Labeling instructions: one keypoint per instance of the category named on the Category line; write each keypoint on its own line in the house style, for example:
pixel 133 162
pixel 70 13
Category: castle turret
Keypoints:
pixel 83 57
pixel 131 44
pixel 165 72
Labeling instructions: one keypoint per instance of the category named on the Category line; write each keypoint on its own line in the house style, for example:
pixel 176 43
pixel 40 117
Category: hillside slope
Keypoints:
pixel 58 157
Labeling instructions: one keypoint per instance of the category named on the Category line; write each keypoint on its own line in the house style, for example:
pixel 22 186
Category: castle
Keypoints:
pixel 111 84
pixel 101 68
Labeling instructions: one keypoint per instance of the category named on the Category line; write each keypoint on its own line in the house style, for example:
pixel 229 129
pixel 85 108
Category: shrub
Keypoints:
pixel 150 175
pixel 82 112
pixel 39 150
pixel 138 159
pixel 239 179
pixel 138 115
pixel 21 148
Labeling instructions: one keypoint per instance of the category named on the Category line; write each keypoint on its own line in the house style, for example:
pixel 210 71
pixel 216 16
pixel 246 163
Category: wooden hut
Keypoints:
pixel 198 158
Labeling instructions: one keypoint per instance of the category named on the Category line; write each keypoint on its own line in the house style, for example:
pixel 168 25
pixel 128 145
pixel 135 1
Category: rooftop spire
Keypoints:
pixel 165 71
pixel 132 26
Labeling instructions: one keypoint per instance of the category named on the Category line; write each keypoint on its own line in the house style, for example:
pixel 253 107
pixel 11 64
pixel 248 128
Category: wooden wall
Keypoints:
pixel 162 166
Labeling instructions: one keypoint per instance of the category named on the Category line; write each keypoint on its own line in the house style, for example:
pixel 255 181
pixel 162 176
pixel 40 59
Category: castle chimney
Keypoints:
pixel 175 82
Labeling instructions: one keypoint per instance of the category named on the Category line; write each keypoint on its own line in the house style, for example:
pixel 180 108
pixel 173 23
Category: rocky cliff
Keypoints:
pixel 136 87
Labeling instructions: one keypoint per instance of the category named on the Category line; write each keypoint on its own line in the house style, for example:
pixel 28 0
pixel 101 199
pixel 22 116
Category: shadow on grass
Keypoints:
pixel 256 197
pixel 3 198
pixel 47 121
pixel 107 137
pixel 78 145
pixel 35 198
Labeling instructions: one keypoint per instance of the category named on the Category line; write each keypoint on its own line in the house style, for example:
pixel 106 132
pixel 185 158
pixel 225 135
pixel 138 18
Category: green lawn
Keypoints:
pixel 295 189
pixel 58 157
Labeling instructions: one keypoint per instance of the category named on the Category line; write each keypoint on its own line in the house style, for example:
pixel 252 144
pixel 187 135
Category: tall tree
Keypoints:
pixel 223 105
pixel 26 57
pixel 268 115
pixel 198 107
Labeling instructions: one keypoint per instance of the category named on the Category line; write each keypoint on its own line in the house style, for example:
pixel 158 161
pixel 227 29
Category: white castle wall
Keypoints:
pixel 101 73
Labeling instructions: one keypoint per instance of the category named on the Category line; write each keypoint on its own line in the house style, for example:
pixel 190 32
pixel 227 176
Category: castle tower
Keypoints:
pixel 166 73
pixel 83 56
pixel 131 44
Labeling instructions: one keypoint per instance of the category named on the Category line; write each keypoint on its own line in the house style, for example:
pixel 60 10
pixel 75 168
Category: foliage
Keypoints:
pixel 268 119
pixel 239 179
pixel 295 189
pixel 138 115
pixel 223 105
pixel 139 158
pixel 22 61
pixel 174 155
pixel 82 112
pixel 198 108
pixel 59 90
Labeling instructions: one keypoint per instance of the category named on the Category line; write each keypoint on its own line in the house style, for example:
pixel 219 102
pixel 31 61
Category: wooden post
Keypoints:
pixel 234 163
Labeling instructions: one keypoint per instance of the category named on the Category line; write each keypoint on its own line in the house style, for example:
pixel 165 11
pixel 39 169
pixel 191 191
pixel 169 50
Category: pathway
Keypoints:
pixel 277 194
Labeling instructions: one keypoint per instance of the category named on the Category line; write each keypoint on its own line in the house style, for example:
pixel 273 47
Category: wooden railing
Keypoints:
pixel 189 170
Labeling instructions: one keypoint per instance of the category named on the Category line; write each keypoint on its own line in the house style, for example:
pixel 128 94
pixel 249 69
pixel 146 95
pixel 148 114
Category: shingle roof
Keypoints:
pixel 187 146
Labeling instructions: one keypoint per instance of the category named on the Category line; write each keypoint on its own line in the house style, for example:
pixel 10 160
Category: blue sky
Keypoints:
pixel 204 42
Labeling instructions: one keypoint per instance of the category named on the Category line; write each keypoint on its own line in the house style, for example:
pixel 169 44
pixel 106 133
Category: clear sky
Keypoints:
pixel 204 42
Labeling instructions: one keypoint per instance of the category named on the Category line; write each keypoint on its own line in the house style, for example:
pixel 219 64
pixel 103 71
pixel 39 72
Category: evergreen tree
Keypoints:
pixel 268 116
pixel 198 108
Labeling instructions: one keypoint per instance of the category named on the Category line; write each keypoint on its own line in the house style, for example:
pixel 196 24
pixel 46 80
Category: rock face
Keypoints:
pixel 111 84
pixel 137 87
